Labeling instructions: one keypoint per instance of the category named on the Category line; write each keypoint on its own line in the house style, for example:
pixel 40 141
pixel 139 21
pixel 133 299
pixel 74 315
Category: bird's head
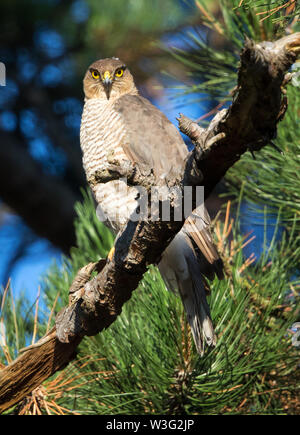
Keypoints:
pixel 108 79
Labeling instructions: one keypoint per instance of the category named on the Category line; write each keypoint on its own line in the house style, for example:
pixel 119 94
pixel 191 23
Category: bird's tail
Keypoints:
pixel 181 270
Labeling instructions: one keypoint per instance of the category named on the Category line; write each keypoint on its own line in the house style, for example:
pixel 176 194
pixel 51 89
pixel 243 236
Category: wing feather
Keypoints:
pixel 151 139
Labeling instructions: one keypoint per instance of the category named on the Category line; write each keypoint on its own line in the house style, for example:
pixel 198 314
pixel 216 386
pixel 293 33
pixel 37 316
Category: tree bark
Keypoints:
pixel 31 368
pixel 249 124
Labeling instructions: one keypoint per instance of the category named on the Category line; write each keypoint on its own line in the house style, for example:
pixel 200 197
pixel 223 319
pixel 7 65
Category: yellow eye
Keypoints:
pixel 119 72
pixel 95 75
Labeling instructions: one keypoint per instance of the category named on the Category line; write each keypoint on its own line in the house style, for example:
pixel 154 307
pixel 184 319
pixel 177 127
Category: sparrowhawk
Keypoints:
pixel 118 121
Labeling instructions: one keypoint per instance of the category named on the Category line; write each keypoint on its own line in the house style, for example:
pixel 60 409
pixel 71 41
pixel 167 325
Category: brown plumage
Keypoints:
pixel 118 121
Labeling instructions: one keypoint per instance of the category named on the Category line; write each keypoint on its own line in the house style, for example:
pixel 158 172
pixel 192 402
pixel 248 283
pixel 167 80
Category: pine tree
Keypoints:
pixel 146 363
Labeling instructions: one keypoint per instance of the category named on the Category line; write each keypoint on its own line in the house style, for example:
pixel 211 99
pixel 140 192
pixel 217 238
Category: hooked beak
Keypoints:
pixel 107 83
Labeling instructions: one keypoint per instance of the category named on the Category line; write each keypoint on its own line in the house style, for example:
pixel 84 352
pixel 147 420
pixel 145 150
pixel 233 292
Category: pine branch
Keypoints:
pixel 249 124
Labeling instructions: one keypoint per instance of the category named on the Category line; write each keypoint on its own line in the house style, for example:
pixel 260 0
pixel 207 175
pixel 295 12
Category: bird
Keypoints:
pixel 118 121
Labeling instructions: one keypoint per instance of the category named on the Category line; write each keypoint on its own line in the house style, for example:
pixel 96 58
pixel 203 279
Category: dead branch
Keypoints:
pixel 249 124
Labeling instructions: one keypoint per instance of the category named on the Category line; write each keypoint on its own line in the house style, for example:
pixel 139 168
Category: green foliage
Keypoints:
pixel 273 179
pixel 212 55
pixel 16 324
pixel 145 361
pixel 94 241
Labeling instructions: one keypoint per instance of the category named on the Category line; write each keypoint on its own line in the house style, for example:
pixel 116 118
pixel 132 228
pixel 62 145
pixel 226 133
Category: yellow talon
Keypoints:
pixel 111 254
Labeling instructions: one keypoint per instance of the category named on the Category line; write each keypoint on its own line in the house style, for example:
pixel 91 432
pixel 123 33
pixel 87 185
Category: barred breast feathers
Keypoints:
pixel 102 132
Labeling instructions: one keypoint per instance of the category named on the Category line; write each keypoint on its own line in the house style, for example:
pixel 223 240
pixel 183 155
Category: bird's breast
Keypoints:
pixel 102 133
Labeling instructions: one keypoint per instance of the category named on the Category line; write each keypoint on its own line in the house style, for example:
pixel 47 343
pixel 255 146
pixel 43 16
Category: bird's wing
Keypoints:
pixel 197 227
pixel 151 138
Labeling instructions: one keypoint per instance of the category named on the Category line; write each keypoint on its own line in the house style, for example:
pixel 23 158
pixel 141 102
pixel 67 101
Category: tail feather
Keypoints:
pixel 181 271
pixel 204 324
